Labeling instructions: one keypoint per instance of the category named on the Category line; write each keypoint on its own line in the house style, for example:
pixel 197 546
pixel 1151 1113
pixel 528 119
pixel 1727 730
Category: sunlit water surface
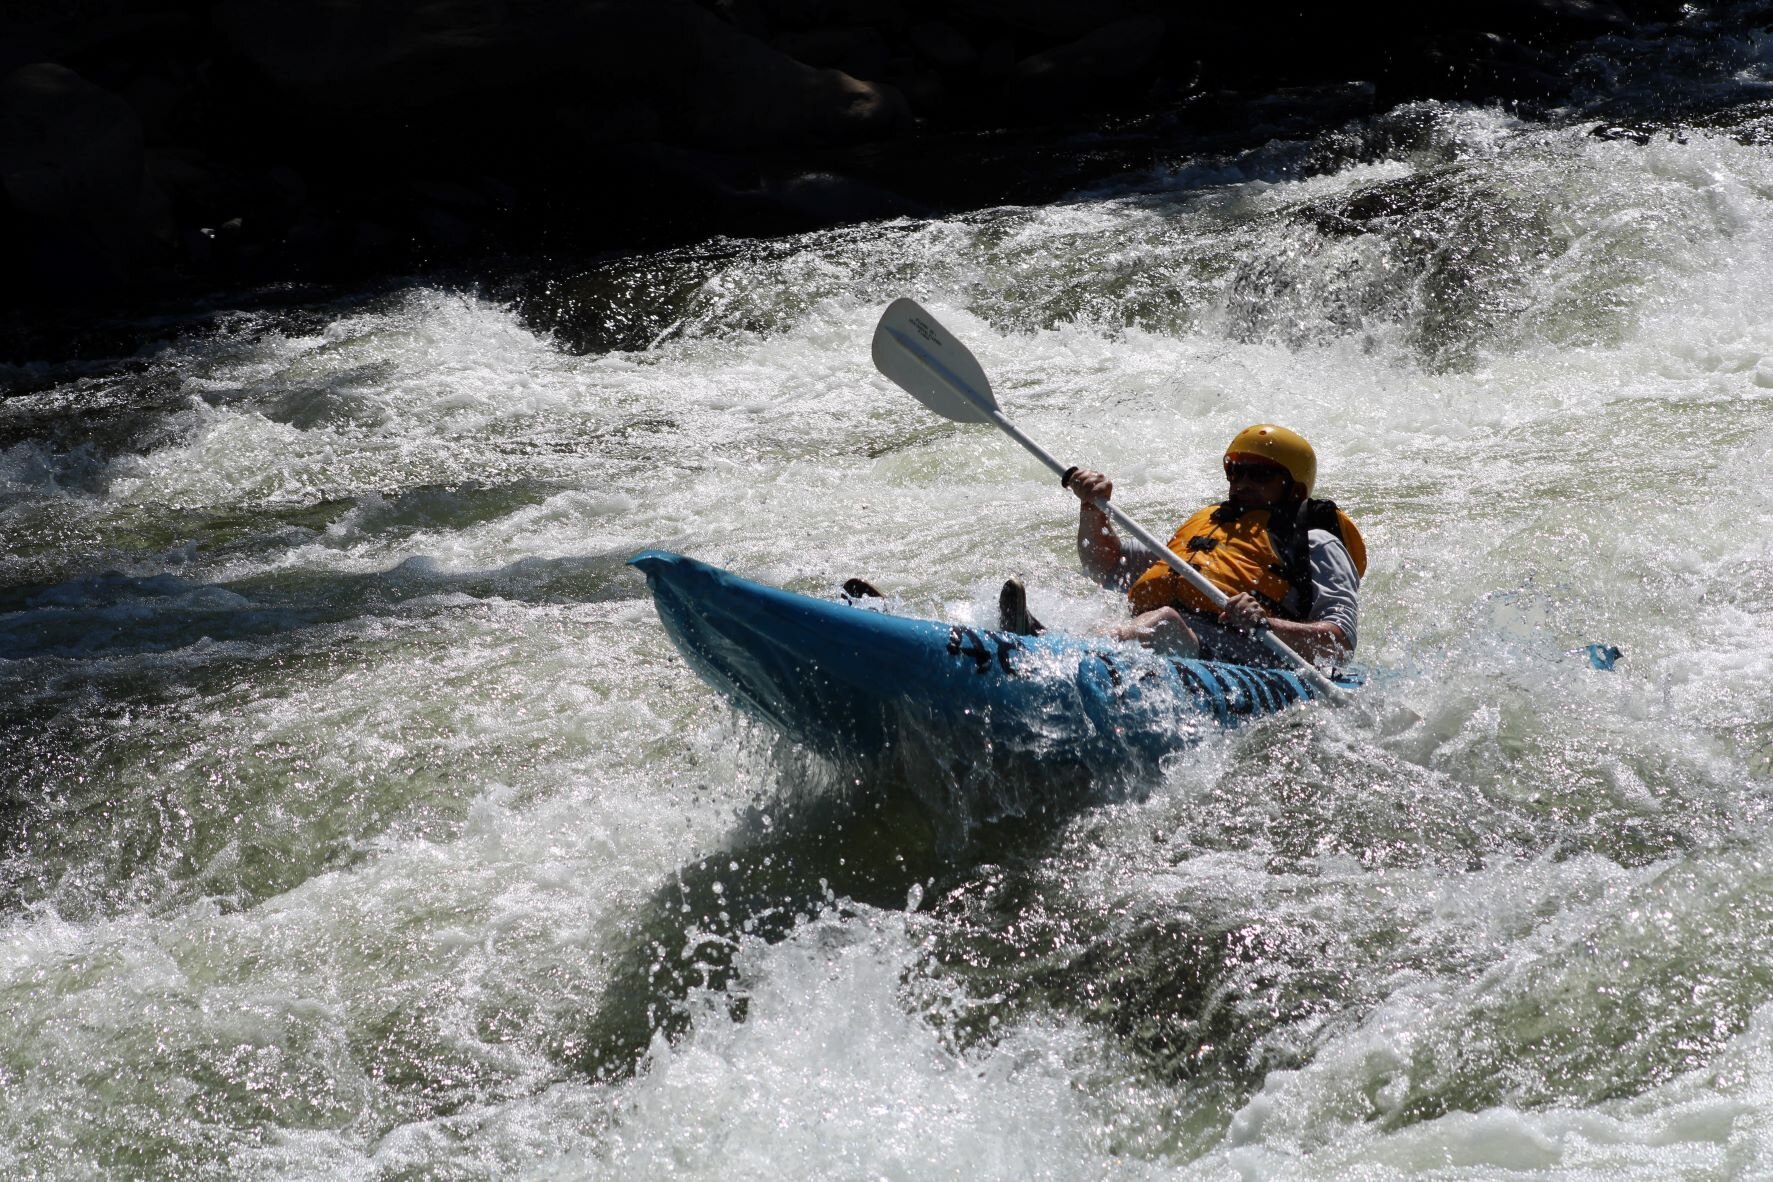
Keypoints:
pixel 347 764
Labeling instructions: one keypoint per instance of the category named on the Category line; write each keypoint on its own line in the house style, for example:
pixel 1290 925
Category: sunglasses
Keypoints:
pixel 1236 470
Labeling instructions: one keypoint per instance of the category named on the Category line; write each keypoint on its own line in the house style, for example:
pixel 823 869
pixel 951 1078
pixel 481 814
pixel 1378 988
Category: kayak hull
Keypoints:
pixel 853 683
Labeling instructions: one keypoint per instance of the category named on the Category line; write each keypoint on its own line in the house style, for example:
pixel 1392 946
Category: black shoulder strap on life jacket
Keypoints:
pixel 1290 534
pixel 1325 516
pixel 1312 515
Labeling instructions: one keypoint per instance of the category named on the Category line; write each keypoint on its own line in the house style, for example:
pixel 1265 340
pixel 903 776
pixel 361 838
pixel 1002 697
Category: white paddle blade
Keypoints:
pixel 920 357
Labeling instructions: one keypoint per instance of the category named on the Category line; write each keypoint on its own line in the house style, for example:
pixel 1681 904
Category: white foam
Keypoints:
pixel 401 830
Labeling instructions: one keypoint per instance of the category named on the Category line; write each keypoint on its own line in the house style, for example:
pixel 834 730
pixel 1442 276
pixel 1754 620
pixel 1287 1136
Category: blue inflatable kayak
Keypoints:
pixel 847 681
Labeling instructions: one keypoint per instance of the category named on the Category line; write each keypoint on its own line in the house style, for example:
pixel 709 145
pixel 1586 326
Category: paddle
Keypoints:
pixel 923 359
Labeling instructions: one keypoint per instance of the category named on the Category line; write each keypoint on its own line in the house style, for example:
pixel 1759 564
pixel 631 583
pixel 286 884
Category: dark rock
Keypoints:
pixel 633 121
pixel 1560 20
pixel 998 60
pixel 747 16
pixel 1105 61
pixel 942 44
pixel 311 237
pixel 459 80
pixel 859 51
pixel 814 14
pixel 924 93
pixel 453 196
pixel 889 16
pixel 373 241
pixel 1048 20
pixel 747 95
pixel 187 177
pixel 1293 111
pixel 794 14
pixel 825 199
pixel 197 248
pixel 764 203
pixel 444 233
pixel 1643 12
pixel 289 191
pixel 1475 65
pixel 84 215
pixel 161 101
pixel 339 139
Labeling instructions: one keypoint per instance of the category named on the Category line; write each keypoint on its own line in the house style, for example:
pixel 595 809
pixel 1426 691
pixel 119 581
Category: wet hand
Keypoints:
pixel 1092 488
pixel 1244 613
pixel 1162 630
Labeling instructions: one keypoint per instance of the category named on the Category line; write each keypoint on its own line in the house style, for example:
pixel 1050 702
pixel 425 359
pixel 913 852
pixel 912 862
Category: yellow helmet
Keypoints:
pixel 1277 445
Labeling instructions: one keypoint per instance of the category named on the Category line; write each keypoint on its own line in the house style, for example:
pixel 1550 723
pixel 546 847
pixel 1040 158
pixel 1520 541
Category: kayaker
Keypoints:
pixel 1288 561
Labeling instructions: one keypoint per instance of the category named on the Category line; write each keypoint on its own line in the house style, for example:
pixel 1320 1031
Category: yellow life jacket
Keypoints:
pixel 1237 552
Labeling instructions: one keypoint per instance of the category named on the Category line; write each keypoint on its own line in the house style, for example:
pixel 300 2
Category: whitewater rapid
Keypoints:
pixel 347 763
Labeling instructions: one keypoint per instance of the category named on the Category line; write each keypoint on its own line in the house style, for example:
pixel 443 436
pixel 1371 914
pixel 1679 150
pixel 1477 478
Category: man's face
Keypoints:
pixel 1255 484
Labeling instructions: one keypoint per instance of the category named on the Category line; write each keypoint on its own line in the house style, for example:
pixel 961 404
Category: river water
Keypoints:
pixel 360 821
